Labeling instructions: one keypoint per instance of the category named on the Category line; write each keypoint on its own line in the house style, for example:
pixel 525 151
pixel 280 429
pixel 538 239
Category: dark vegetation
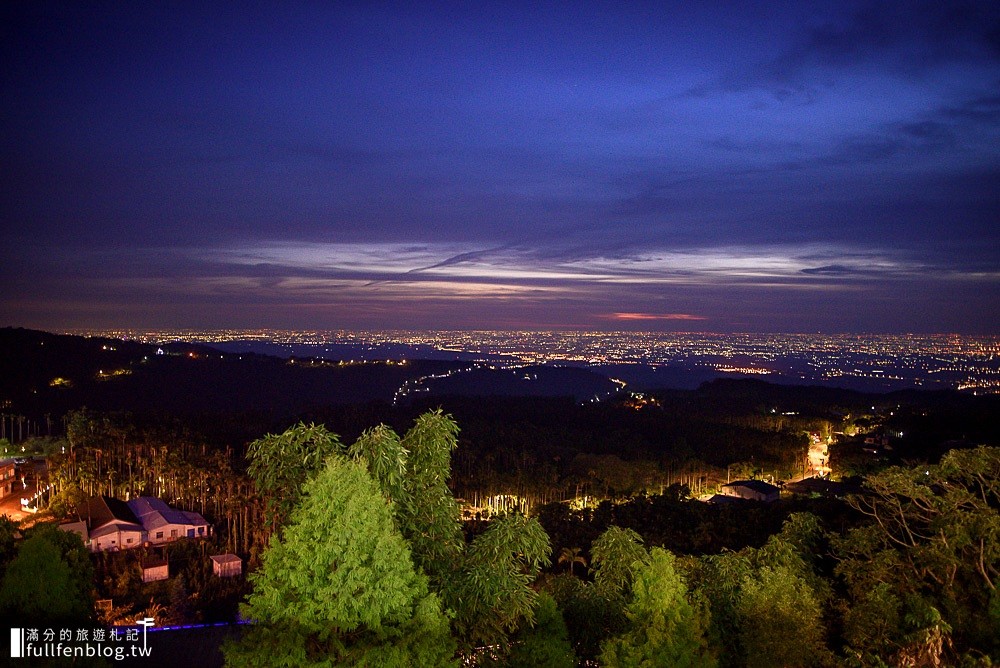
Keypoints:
pixel 50 374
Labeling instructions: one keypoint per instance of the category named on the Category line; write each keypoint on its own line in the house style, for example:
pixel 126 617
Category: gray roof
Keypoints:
pixel 722 499
pixel 114 527
pixel 99 510
pixel 225 558
pixel 154 513
pixel 758 486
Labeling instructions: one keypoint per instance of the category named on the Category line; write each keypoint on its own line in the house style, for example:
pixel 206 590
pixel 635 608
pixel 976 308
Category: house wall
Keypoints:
pixel 227 570
pixel 120 539
pixel 7 478
pixel 171 532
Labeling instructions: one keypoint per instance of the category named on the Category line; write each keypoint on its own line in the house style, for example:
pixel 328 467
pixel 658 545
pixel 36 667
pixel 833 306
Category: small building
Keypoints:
pixel 8 476
pixel 155 568
pixel 226 565
pixel 753 490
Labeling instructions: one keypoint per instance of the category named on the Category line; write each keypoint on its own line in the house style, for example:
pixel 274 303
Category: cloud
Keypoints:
pixel 903 40
pixel 868 271
pixel 553 266
pixel 981 109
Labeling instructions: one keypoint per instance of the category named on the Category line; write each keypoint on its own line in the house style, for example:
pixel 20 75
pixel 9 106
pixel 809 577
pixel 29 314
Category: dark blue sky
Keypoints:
pixel 796 166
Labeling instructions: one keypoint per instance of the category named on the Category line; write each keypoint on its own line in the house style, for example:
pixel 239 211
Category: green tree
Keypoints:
pixel 780 620
pixel 944 518
pixel 616 555
pixel 665 628
pixel 281 463
pixel 930 556
pixel 382 451
pixel 546 644
pixel 49 581
pixel 486 583
pixel 718 577
pixel 590 616
pixel 339 586
pixel 571 556
pixel 429 515
pixel 492 593
pixel 746 626
pixel 872 625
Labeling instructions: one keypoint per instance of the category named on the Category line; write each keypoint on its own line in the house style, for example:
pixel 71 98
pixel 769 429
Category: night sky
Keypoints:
pixel 696 166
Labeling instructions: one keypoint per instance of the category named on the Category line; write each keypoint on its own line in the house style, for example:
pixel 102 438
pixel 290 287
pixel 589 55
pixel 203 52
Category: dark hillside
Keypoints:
pixel 43 373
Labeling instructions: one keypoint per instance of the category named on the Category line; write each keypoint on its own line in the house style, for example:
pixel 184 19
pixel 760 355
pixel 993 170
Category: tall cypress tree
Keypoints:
pixel 339 586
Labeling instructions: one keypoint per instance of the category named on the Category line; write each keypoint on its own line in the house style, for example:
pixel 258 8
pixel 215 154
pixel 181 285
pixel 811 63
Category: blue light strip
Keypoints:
pixel 184 627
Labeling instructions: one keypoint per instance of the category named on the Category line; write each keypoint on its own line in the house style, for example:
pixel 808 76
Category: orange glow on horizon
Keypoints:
pixel 656 316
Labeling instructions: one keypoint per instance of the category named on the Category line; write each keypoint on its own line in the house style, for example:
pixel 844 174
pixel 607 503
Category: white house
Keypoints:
pixel 164 524
pixel 110 524
pixel 116 536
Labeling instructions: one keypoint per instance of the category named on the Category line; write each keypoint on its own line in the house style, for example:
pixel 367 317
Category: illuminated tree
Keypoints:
pixel 486 584
pixel 665 629
pixel 571 556
pixel 929 556
pixel 616 555
pixel 755 596
pixel 281 463
pixel 780 620
pixel 339 587
pixel 386 459
pixel 492 594
pixel 429 515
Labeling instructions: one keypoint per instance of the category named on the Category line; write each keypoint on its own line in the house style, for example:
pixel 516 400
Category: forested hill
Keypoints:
pixel 48 374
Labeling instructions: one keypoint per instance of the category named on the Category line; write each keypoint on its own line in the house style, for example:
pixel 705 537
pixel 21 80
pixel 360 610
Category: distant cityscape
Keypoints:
pixel 865 361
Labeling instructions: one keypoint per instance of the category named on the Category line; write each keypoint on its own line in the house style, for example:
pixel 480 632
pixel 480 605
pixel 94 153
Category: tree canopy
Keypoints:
pixel 373 549
pixel 281 463
pixel 340 584
pixel 616 556
pixel 923 571
pixel 665 628
pixel 49 581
